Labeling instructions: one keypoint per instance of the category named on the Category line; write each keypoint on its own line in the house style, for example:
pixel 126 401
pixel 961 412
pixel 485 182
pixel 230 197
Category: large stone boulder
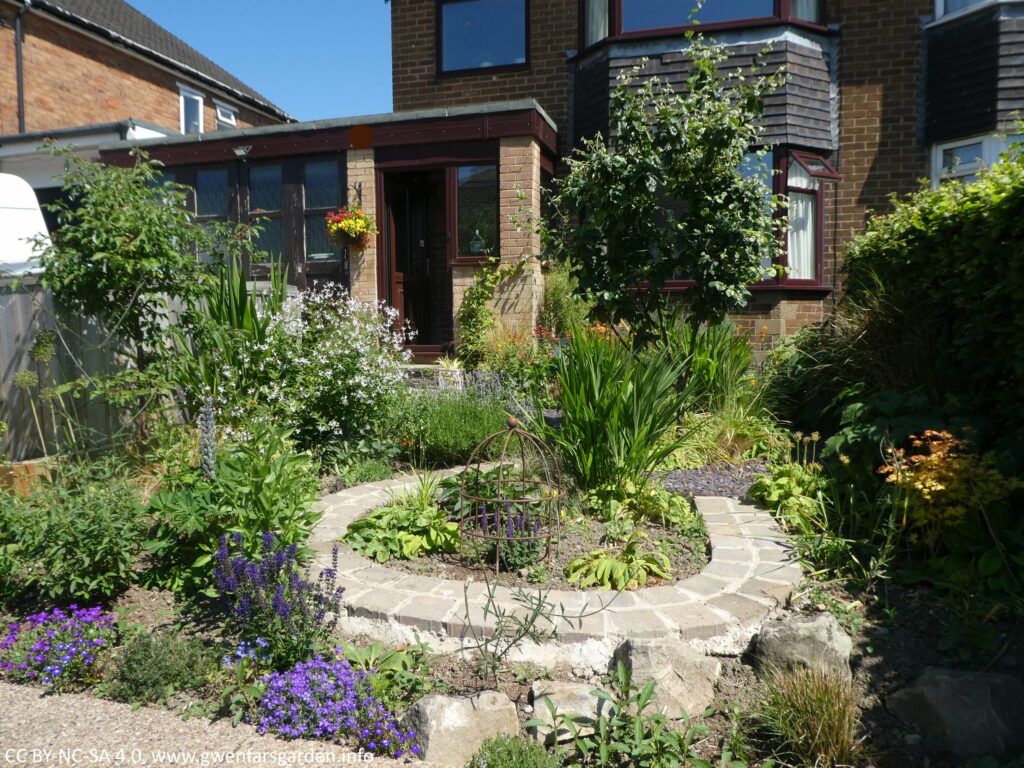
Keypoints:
pixel 449 729
pixel 573 699
pixel 805 641
pixel 684 679
pixel 972 714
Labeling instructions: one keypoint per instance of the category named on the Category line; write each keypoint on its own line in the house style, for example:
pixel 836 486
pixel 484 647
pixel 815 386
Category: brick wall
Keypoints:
pixel 363 264
pixel 881 75
pixel 553 32
pixel 74 79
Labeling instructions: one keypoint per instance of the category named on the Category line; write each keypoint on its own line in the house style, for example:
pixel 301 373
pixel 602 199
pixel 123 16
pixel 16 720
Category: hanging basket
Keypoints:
pixel 511 513
pixel 345 240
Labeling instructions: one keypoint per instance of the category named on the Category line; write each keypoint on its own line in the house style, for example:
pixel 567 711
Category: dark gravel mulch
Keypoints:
pixel 722 479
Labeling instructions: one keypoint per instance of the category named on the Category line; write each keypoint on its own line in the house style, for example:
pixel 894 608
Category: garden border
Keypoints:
pixel 751 573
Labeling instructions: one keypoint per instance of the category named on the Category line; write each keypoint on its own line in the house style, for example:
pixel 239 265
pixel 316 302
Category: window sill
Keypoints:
pixel 477 71
pixel 968 11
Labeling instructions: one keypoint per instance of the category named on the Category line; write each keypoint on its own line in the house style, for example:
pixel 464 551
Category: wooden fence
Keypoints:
pixel 33 419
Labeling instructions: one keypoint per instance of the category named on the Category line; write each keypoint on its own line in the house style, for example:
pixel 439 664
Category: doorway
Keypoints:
pixel 416 278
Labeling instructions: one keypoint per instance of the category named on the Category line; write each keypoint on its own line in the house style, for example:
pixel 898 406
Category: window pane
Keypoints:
pixel 963 155
pixel 265 188
pixel 212 192
pixel 654 14
pixel 478 210
pixel 956 5
pixel 808 10
pixel 193 109
pixel 596 24
pixel 271 240
pixel 320 181
pixel 802 236
pixel 318 246
pixel 482 33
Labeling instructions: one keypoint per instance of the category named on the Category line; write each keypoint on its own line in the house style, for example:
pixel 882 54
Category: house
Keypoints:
pixel 89 72
pixel 490 95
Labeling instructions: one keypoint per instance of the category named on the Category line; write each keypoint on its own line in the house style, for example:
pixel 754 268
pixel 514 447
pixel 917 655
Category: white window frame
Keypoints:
pixel 227 115
pixel 186 92
pixel 992 146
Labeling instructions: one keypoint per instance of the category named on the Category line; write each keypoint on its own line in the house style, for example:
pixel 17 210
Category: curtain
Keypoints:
pixel 803 236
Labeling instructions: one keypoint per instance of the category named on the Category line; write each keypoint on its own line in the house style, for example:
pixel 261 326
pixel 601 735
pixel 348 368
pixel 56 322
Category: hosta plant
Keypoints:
pixel 403 533
pixel 626 568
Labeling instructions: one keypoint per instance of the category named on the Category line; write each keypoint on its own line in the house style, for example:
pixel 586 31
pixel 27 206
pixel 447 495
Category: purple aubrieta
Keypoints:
pixel 328 699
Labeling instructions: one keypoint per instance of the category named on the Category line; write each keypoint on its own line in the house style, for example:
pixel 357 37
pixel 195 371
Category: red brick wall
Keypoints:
pixel 73 79
pixel 880 75
pixel 553 32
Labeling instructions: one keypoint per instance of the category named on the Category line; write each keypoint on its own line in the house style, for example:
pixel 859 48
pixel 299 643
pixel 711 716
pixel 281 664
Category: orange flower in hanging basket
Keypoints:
pixel 350 227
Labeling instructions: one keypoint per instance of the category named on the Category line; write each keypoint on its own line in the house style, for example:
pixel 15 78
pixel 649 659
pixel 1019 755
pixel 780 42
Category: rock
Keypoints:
pixel 805 641
pixel 973 714
pixel 569 699
pixel 684 679
pixel 450 729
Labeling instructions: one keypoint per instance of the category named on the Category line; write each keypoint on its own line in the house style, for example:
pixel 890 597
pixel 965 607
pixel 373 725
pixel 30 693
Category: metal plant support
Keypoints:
pixel 516 502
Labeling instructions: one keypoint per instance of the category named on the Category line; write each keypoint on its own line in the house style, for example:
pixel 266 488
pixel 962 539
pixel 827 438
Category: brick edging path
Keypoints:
pixel 751 572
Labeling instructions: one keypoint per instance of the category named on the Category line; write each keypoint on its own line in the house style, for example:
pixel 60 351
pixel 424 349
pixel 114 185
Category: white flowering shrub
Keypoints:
pixel 328 369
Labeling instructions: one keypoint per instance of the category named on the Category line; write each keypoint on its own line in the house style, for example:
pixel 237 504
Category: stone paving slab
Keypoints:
pixel 752 570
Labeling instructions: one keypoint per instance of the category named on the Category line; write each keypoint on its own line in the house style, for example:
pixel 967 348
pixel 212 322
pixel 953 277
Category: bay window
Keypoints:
pixel 609 18
pixel 481 34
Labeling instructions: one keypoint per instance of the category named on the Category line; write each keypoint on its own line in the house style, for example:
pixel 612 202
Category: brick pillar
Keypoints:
pixel 363 264
pixel 518 300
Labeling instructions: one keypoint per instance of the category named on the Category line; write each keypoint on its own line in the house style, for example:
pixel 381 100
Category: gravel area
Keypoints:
pixel 91 731
pixel 723 479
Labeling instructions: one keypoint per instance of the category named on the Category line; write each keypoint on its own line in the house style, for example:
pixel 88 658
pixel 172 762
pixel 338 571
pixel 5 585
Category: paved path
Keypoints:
pixel 751 572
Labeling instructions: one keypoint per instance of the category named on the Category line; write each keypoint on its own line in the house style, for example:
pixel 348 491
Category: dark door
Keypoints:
pixel 416 274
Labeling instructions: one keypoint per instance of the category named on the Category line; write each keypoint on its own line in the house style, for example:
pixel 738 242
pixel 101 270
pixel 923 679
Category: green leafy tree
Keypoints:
pixel 665 196
pixel 126 249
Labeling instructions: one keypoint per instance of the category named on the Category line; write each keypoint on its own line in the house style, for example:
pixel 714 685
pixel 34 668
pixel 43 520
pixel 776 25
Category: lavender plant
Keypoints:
pixel 60 649
pixel 322 699
pixel 519 545
pixel 269 598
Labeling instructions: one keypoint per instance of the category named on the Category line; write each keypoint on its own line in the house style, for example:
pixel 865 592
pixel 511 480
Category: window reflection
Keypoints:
pixel 482 33
pixel 478 210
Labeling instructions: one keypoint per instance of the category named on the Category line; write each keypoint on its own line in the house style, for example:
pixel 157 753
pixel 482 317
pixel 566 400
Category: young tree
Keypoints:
pixel 126 250
pixel 665 196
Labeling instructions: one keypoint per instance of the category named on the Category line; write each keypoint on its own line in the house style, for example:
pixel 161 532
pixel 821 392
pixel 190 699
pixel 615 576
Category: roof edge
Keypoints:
pixel 66 15
pixel 490 108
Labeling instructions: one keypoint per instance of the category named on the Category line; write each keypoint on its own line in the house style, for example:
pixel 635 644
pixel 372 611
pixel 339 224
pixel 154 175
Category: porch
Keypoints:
pixel 445 186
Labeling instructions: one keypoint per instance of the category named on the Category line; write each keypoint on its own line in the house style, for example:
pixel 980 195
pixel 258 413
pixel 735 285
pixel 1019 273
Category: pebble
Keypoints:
pixel 527 709
pixel 722 479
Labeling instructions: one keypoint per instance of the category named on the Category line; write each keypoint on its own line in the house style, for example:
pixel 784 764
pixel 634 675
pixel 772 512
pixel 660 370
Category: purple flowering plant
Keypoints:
pixel 328 699
pixel 60 649
pixel 269 599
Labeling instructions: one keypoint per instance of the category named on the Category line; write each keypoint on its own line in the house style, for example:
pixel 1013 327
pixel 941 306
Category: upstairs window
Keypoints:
pixel 604 18
pixel 942 7
pixel 191 109
pixel 227 116
pixel 482 34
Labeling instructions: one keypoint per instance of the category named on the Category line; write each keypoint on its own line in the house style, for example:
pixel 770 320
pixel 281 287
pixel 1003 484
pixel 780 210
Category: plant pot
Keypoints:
pixel 21 477
pixel 343 240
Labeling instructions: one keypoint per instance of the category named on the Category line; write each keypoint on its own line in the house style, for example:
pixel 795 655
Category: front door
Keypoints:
pixel 414 261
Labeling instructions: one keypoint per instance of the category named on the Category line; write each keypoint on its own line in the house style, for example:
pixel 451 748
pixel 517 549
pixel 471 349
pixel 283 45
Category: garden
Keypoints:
pixel 171 560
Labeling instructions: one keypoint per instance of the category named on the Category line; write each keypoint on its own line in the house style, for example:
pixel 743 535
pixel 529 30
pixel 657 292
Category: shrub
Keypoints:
pixel 270 601
pixel 562 309
pixel 617 411
pixel 511 752
pixel 75 536
pixel 811 715
pixel 441 427
pixel 154 666
pixel 321 699
pixel 259 485
pixel 60 649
